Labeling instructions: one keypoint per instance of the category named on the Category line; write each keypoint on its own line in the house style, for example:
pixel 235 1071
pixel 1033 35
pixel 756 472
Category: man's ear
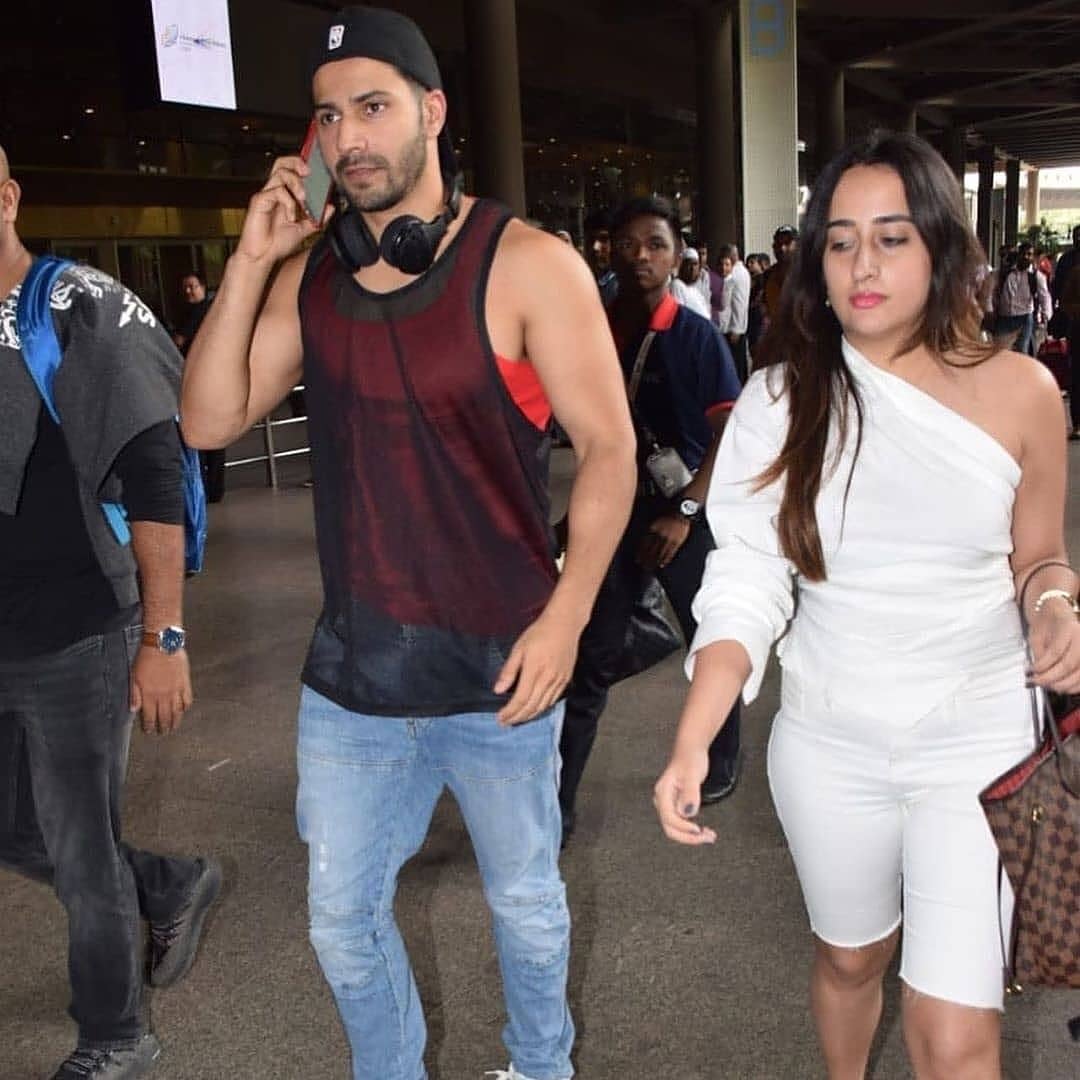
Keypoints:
pixel 10 195
pixel 434 112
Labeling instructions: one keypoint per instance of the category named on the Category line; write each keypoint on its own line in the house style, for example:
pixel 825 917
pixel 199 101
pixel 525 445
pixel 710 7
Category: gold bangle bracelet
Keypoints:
pixel 1057 594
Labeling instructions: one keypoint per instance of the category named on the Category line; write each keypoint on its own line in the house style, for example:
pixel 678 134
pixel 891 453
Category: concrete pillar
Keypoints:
pixel 1012 200
pixel 495 101
pixel 1032 208
pixel 831 131
pixel 716 212
pixel 770 127
pixel 985 201
pixel 955 152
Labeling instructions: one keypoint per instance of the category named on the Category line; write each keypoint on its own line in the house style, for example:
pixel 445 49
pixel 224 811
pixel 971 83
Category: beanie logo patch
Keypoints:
pixel 337 34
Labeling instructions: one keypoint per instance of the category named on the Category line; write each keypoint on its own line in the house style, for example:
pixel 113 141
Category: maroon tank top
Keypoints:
pixel 431 501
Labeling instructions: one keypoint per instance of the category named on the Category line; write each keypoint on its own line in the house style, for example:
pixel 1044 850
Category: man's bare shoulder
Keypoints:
pixel 537 258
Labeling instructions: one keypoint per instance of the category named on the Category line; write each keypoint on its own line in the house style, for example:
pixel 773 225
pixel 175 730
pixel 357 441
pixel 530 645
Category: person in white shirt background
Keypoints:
pixel 735 312
pixel 1021 301
pixel 907 523
pixel 690 286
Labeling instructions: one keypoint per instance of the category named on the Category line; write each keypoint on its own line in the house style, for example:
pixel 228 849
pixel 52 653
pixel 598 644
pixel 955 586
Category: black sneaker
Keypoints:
pixel 721 781
pixel 173 945
pixel 569 821
pixel 122 1062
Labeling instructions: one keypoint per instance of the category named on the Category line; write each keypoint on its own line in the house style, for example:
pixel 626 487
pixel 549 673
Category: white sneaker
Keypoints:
pixel 509 1074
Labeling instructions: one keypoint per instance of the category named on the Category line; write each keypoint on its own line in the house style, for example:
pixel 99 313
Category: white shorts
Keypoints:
pixel 885 826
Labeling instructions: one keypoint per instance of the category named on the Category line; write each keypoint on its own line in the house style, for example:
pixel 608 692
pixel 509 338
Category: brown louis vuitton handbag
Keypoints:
pixel 1034 813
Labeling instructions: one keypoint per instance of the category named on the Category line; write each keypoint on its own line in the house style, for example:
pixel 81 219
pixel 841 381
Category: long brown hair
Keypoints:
pixel 805 335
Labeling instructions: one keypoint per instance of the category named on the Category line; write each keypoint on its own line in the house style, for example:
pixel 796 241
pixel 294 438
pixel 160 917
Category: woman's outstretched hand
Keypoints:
pixel 677 797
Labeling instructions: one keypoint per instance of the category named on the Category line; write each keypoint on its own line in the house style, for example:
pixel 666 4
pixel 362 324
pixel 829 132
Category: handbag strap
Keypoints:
pixel 1007 949
pixel 1041 714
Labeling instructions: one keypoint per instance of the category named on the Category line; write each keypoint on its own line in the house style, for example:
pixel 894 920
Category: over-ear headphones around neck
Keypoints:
pixel 408 243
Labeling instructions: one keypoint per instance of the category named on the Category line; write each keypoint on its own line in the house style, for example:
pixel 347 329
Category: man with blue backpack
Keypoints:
pixel 95 491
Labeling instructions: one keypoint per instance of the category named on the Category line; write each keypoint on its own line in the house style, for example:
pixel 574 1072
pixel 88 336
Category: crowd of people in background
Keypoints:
pixel 1030 302
pixel 737 295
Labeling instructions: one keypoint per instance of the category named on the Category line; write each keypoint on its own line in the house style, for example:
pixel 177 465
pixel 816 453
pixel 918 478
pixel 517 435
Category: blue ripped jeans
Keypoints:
pixel 368 788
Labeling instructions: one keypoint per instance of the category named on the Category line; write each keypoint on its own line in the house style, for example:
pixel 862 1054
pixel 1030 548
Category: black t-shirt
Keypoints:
pixel 54 592
pixel 192 320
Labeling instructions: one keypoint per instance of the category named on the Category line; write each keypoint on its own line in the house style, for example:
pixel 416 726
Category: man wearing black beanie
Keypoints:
pixel 436 337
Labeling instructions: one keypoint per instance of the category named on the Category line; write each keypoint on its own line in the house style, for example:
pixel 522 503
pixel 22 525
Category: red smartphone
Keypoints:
pixel 318 183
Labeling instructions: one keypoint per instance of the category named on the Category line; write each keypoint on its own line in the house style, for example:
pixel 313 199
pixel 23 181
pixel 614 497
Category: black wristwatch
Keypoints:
pixel 170 640
pixel 689 508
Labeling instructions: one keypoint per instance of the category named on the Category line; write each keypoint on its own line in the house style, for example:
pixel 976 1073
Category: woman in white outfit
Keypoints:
pixel 904 481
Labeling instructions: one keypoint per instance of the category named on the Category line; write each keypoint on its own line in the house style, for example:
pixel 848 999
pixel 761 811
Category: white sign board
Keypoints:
pixel 194 52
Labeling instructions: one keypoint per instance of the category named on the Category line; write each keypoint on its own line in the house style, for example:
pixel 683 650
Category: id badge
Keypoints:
pixel 668 471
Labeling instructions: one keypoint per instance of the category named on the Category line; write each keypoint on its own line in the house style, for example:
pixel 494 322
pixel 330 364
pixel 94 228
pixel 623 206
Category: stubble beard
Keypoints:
pixel 401 179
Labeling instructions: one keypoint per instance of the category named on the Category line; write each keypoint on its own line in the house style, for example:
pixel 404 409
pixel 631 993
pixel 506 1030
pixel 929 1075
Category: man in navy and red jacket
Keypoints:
pixel 686 389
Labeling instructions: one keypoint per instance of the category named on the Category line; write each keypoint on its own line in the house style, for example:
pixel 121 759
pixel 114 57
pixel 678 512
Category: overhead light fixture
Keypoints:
pixel 66 137
pixel 89 110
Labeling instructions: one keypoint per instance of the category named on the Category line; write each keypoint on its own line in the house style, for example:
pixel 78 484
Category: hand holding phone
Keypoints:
pixel 289 208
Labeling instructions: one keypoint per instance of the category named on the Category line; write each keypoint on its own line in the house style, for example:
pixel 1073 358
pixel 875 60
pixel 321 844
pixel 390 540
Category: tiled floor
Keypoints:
pixel 686 964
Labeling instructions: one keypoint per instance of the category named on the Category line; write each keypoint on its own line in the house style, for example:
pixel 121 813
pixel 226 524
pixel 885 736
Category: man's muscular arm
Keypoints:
pixel 244 361
pixel 567 339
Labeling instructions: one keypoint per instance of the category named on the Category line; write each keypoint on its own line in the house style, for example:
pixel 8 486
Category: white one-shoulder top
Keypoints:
pixel 919 601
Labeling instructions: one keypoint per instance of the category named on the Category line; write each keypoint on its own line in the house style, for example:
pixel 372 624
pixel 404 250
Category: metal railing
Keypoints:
pixel 271 454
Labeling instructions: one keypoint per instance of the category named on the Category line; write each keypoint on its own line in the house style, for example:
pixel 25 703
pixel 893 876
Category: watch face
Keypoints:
pixel 689 508
pixel 171 639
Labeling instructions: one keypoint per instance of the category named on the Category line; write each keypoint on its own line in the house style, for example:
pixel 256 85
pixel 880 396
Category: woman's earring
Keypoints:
pixel 827 304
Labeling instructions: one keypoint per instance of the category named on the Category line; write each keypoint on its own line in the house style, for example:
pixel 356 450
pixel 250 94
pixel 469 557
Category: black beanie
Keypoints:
pixel 378 34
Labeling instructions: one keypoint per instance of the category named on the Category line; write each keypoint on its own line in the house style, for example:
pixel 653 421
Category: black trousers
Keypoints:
pixel 1074 374
pixel 65 728
pixel 213 472
pixel 587 694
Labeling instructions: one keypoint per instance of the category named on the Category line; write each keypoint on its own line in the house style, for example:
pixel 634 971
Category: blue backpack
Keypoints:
pixel 41 351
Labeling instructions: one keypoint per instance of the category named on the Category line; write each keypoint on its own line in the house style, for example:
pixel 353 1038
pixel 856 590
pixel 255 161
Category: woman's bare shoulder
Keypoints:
pixel 1022 390
pixel 1015 374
